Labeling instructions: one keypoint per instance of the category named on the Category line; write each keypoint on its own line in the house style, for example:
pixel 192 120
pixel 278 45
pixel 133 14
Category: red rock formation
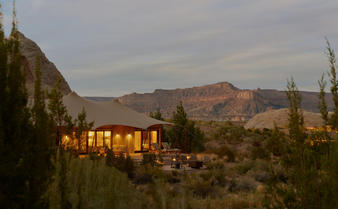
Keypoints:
pixel 220 101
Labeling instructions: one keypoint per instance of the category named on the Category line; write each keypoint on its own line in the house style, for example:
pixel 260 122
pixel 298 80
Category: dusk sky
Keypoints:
pixel 115 47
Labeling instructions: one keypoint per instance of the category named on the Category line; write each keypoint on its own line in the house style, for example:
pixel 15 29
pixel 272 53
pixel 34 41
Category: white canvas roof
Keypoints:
pixel 108 113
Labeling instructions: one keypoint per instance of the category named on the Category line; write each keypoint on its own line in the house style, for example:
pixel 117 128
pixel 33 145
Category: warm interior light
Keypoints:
pixel 117 135
pixel 107 133
pixel 188 157
pixel 174 159
pixel 91 133
pixel 66 137
pixel 129 135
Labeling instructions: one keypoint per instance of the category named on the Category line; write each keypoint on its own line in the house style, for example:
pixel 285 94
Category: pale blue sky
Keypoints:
pixel 115 47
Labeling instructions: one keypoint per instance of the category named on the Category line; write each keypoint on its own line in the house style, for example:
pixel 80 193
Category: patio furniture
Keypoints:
pixel 175 163
pixel 197 164
pixel 156 147
pixel 167 148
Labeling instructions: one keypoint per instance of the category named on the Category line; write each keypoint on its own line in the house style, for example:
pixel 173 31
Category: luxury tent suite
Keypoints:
pixel 115 126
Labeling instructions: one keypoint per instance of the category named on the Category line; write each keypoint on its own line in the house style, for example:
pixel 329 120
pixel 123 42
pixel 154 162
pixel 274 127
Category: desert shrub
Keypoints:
pixel 243 183
pixel 206 176
pixel 259 151
pixel 123 164
pixel 173 177
pixel 232 134
pixel 201 188
pixel 241 200
pixel 245 166
pixel 226 151
pixel 149 158
pixel 147 174
pixel 219 176
pixel 92 184
pixel 219 164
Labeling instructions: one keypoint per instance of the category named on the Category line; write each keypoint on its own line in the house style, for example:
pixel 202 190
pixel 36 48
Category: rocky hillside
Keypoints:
pixel 281 118
pixel 220 101
pixel 50 74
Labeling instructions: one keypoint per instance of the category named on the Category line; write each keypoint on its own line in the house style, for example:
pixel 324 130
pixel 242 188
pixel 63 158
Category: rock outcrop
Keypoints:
pixel 280 117
pixel 49 73
pixel 220 101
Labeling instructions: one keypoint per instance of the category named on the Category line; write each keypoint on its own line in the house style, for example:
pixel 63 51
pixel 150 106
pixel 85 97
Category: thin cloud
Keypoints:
pixel 125 46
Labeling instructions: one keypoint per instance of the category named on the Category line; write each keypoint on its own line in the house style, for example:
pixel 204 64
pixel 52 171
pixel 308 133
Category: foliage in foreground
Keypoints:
pixel 91 184
pixel 310 160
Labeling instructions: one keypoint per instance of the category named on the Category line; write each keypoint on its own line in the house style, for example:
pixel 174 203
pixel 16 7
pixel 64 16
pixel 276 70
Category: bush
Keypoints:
pixel 231 133
pixel 245 166
pixel 149 158
pixel 147 174
pixel 123 164
pixel 92 184
pixel 226 151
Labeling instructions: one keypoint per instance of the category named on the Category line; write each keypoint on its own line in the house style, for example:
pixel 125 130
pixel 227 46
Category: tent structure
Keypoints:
pixel 115 126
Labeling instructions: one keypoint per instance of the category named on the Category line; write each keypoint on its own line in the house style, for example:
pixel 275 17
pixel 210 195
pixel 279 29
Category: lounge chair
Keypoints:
pixel 167 148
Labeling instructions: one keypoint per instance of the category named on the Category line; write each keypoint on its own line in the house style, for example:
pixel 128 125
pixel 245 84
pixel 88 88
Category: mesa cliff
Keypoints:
pixel 220 101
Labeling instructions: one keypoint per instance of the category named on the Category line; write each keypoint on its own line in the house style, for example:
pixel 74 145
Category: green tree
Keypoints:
pixel 296 119
pixel 334 85
pixel 42 144
pixel 82 127
pixel 184 134
pixel 158 115
pixel 24 135
pixel 62 120
pixel 309 161
pixel 322 106
pixel 15 125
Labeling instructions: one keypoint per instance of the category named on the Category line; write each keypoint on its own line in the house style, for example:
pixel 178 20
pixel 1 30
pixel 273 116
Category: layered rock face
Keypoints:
pixel 49 73
pixel 220 101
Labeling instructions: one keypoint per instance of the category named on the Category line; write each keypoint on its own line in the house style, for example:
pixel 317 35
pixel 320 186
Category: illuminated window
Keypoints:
pixel 153 137
pixel 107 138
pixel 91 135
pixel 137 143
pixel 99 138
pixel 145 143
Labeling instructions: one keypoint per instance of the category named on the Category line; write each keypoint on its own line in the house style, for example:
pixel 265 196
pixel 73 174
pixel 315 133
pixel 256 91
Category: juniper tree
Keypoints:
pixel 334 84
pixel 309 160
pixel 157 115
pixel 58 111
pixel 184 134
pixel 16 128
pixel 322 106
pixel 82 126
pixel 40 169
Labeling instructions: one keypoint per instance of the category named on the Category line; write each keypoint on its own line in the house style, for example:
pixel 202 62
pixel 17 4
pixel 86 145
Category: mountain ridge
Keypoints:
pixel 49 72
pixel 219 101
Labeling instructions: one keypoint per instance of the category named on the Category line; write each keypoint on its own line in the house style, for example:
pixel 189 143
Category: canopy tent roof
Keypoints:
pixel 108 113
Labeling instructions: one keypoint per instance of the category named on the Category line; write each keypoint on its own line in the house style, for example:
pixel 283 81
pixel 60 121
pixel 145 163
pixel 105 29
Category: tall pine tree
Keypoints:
pixel 16 128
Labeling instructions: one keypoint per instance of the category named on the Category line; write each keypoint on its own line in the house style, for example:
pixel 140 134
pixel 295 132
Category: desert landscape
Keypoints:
pixel 159 111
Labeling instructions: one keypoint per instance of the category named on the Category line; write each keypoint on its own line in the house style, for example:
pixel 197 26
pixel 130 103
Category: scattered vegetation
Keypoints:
pixel 247 169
